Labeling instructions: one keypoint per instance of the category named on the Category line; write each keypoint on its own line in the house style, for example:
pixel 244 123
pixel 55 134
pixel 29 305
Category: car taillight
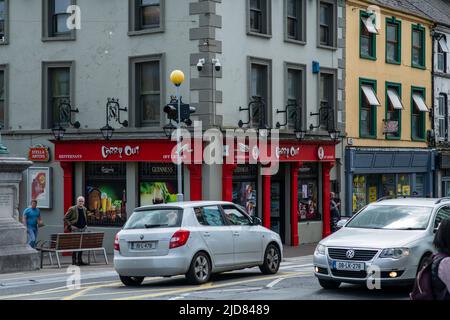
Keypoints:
pixel 179 239
pixel 116 243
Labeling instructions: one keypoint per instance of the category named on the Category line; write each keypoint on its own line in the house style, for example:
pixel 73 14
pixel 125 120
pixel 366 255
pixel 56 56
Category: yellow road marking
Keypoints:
pixel 203 288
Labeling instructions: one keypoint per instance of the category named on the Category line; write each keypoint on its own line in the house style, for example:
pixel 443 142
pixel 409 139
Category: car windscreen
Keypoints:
pixel 155 218
pixel 392 218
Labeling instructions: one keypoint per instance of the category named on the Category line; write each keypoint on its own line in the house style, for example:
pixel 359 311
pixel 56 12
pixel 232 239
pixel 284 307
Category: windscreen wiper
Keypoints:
pixel 150 226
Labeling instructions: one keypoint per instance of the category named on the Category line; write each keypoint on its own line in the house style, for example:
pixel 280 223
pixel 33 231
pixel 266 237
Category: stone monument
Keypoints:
pixel 15 254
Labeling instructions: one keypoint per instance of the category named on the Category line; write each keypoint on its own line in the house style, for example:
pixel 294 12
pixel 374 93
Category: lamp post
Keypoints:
pixel 177 78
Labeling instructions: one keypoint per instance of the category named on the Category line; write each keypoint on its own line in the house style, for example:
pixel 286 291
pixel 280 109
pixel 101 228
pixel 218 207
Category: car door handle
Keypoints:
pixel 236 234
pixel 206 234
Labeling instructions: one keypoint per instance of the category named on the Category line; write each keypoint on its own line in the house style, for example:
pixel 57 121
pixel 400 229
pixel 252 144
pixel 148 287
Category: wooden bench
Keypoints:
pixel 73 242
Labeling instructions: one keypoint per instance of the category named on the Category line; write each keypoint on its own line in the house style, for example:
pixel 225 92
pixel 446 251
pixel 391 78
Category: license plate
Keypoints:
pixel 349 266
pixel 143 245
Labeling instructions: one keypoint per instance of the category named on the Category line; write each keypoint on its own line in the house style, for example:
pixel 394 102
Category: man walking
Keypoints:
pixel 76 219
pixel 335 214
pixel 32 219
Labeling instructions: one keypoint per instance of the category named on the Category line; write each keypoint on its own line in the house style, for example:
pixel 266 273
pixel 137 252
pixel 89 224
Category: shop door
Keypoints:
pixel 277 211
pixel 446 188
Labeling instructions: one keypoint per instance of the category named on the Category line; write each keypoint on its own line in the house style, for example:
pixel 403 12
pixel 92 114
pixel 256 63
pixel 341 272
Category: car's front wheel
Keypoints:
pixel 272 258
pixel 200 269
pixel 131 281
pixel 329 284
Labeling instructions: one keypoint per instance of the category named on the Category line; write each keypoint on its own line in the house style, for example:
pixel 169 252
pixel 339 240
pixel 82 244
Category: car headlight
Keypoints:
pixel 320 250
pixel 395 253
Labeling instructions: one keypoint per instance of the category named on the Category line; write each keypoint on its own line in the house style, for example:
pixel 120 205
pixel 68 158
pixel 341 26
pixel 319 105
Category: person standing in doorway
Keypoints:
pixel 76 220
pixel 335 214
pixel 32 219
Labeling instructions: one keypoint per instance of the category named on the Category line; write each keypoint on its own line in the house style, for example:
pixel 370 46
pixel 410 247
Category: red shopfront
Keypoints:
pixel 293 157
pixel 109 158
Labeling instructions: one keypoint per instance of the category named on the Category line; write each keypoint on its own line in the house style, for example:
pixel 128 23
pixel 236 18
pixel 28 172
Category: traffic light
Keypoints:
pixel 185 111
pixel 172 109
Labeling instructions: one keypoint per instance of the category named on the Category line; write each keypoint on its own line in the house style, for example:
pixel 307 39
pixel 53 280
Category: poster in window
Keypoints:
pixel 39 186
pixel 106 203
pixel 244 194
pixel 157 192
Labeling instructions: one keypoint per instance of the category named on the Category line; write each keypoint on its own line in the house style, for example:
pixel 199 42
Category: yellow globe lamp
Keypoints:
pixel 177 77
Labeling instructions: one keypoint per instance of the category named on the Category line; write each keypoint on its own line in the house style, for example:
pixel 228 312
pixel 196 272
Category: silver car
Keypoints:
pixel 386 242
pixel 195 239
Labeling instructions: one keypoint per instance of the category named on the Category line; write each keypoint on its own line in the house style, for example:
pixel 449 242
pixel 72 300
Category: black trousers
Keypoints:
pixel 77 257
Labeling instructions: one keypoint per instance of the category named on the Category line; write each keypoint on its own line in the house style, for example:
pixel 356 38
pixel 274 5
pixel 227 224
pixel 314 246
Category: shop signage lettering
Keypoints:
pixel 39 153
pixel 128 151
pixel 107 170
pixel 287 152
pixel 165 170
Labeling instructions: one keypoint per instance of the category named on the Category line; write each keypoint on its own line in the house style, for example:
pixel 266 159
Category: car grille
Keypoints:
pixel 360 255
pixel 349 274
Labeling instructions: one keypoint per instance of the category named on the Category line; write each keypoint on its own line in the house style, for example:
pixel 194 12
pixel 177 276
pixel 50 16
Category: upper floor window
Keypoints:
pixel 146 16
pixel 418 110
pixel 294 97
pixel 368 112
pixel 2 98
pixel 327 23
pixel 3 21
pixel 442 117
pixel 327 96
pixel 393 41
pixel 442 54
pixel 368 36
pixel 259 17
pixel 295 20
pixel 57 88
pixel 259 94
pixel 418 47
pixel 146 87
pixel 394 109
pixel 56 20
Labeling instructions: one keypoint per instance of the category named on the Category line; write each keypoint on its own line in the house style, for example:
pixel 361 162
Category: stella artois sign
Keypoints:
pixel 39 153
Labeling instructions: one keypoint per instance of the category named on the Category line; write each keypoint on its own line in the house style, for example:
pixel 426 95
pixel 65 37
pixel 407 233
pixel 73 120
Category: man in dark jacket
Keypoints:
pixel 335 214
pixel 76 220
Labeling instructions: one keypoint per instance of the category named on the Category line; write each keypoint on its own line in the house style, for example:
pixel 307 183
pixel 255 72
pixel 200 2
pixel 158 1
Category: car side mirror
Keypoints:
pixel 435 230
pixel 256 221
pixel 341 223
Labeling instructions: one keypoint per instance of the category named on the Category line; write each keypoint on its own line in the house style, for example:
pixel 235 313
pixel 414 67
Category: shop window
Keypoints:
pixel 157 183
pixel 368 36
pixel 368 108
pixel 394 108
pixel 308 186
pixel 419 189
pixel 359 193
pixel 388 185
pixel 419 108
pixel 244 188
pixel 106 194
pixel 404 185
pixel 418 47
pixel 393 41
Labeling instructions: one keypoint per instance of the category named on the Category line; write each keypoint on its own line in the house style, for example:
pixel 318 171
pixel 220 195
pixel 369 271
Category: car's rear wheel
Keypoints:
pixel 272 258
pixel 200 269
pixel 131 281
pixel 329 284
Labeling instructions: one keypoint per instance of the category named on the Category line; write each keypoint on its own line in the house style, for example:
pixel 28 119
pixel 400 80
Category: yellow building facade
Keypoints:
pixel 388 98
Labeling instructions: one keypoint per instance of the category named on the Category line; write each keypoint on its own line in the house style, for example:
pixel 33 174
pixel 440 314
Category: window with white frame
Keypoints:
pixel 294 97
pixel 327 23
pixel 295 20
pixel 442 51
pixel 442 117
pixel 259 17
